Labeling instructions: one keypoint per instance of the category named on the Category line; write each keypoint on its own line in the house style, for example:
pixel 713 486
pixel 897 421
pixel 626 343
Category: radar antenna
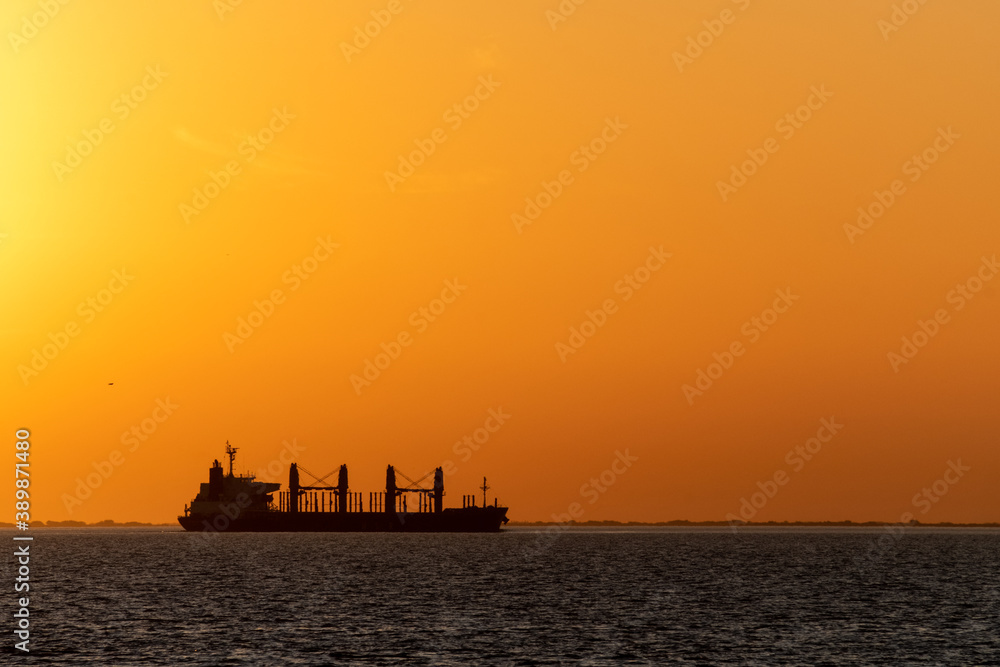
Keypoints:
pixel 231 453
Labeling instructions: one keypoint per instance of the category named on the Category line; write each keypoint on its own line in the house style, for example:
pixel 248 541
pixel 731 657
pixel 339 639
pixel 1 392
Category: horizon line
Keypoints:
pixel 73 523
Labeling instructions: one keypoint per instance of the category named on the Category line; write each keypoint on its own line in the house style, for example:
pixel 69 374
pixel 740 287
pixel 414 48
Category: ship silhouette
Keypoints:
pixel 241 503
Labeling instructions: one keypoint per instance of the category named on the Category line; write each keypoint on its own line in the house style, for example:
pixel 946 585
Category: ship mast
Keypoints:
pixel 485 489
pixel 231 453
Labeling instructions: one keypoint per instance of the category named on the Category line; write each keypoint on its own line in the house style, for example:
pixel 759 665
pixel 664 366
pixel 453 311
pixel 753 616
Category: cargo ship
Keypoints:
pixel 241 503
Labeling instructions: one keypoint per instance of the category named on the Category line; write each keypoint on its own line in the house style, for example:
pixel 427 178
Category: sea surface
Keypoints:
pixel 698 596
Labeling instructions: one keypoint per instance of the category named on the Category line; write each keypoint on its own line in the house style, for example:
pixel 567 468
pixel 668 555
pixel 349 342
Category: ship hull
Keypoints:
pixel 466 520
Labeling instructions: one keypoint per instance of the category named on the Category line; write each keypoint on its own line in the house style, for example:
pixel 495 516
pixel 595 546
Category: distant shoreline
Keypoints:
pixel 577 524
pixel 107 523
pixel 819 524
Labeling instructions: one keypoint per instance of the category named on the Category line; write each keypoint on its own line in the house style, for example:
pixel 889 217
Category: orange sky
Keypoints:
pixel 633 129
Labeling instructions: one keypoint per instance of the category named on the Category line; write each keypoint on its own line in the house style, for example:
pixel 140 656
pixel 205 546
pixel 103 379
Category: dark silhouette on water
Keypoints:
pixel 240 503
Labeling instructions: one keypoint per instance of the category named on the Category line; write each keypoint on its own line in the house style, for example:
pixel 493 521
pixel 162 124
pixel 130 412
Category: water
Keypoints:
pixel 589 597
